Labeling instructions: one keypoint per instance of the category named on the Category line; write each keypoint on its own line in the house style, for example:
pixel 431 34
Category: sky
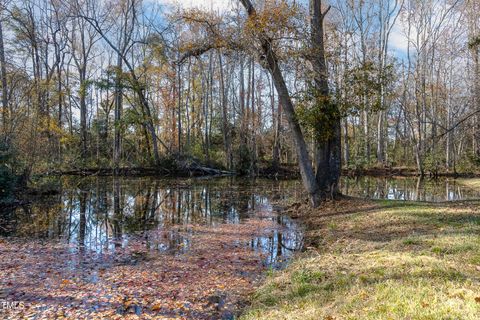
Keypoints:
pixel 398 41
pixel 220 5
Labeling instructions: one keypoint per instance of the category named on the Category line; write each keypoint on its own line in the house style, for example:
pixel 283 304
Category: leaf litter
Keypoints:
pixel 206 274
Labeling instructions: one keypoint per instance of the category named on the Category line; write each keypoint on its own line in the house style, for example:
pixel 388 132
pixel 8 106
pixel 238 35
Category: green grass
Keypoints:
pixel 381 260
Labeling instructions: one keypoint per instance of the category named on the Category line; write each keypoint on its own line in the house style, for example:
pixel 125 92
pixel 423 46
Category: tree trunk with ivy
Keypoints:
pixel 271 64
pixel 3 71
pixel 324 182
pixel 328 153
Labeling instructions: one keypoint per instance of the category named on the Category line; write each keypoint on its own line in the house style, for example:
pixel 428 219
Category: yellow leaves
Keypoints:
pixel 205 25
pixel 363 295
pixel 127 303
pixel 47 124
pixel 201 16
pixel 65 282
pixel 277 17
pixel 67 139
pixel 60 314
pixel 156 306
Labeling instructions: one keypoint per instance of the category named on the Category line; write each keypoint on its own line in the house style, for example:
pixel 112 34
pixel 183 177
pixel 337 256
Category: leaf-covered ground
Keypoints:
pixel 208 280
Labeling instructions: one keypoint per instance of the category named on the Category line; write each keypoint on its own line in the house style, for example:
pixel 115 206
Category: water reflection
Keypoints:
pixel 104 215
pixel 411 189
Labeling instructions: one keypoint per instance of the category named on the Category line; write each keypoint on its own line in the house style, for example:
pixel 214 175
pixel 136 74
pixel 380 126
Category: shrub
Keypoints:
pixel 7 177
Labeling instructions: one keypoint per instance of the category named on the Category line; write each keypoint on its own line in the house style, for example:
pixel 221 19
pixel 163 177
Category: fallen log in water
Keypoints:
pixel 182 170
pixel 193 168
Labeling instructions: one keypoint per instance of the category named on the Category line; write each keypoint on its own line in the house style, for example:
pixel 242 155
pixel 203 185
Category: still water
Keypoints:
pixel 407 188
pixel 105 214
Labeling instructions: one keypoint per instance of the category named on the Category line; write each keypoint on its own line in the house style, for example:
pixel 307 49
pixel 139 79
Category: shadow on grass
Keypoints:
pixel 305 286
pixel 385 221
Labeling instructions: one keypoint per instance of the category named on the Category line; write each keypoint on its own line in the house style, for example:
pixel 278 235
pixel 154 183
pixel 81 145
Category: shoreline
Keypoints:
pixel 283 172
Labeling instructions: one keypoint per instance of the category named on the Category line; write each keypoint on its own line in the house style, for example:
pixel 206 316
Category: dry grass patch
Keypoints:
pixel 380 260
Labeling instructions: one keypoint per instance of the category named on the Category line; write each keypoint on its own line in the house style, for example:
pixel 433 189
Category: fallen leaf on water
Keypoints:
pixel 170 284
pixel 156 307
pixel 127 304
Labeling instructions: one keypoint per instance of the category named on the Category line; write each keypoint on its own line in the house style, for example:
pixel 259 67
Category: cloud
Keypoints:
pixel 209 5
pixel 398 39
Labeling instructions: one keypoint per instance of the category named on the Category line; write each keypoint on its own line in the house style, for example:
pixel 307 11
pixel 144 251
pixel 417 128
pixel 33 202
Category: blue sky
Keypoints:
pixel 398 41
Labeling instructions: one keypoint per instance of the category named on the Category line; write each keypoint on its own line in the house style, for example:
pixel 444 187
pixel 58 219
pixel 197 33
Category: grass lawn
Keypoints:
pixel 380 260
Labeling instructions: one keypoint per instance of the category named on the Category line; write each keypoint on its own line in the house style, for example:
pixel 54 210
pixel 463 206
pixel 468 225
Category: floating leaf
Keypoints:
pixel 157 306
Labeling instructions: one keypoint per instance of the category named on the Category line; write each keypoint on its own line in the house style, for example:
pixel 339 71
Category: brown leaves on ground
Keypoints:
pixel 208 281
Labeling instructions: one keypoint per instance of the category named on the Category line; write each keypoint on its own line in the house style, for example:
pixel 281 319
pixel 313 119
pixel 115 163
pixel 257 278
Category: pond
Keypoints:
pixel 104 214
pixel 172 248
pixel 407 188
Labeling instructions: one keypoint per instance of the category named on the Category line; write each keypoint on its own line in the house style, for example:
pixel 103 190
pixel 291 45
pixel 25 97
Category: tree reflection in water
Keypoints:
pixel 105 214
pixel 407 188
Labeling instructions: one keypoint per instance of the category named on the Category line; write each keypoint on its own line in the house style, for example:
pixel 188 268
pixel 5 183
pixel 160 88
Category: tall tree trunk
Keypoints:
pixel 380 137
pixel 253 148
pixel 346 143
pixel 83 114
pixel 276 118
pixel 225 121
pixel 476 95
pixel 272 65
pixel 3 70
pixel 179 109
pixel 366 131
pixel 449 142
pixel 328 155
pixel 117 147
pixel 242 101
pixel 150 126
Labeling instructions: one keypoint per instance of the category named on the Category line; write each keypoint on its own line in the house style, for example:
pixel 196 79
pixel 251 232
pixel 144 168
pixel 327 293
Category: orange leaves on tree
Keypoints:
pixel 276 19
